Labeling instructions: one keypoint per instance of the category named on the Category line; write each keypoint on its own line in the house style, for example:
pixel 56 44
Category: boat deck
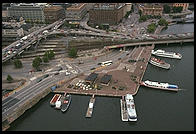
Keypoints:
pixel 124 115
pixel 90 107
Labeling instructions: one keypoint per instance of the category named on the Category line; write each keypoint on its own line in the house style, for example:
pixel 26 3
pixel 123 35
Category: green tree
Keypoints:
pixel 73 53
pixel 151 28
pixel 143 18
pixel 140 12
pixel 51 54
pixel 37 62
pixel 177 9
pixel 166 9
pixel 162 22
pixel 9 78
pixel 45 59
pixel 17 63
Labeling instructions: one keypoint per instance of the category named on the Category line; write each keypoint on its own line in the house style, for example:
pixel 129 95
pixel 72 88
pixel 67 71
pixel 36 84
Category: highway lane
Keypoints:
pixel 14 103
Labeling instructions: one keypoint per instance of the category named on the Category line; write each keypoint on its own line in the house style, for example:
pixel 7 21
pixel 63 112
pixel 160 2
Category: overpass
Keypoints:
pixel 31 38
pixel 165 41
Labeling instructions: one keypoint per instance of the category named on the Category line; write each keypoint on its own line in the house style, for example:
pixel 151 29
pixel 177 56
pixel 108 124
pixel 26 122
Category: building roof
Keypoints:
pixel 106 79
pixel 92 77
pixel 76 6
pixel 53 8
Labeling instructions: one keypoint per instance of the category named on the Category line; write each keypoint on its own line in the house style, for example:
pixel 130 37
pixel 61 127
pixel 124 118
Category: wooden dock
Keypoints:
pixel 124 115
pixel 90 107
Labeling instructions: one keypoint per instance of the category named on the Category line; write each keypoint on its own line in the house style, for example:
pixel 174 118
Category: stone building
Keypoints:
pixel 151 9
pixel 107 13
pixel 54 13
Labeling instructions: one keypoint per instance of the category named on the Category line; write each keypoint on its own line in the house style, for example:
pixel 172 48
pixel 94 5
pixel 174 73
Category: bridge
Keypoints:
pixel 159 41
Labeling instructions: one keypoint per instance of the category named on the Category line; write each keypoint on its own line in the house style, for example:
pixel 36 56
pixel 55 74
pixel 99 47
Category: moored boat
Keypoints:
pixel 132 116
pixel 163 53
pixel 54 99
pixel 58 103
pixel 159 63
pixel 65 102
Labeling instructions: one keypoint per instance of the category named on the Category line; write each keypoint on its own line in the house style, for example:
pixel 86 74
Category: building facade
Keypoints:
pixel 76 12
pixel 151 9
pixel 104 13
pixel 30 12
pixel 184 5
pixel 53 13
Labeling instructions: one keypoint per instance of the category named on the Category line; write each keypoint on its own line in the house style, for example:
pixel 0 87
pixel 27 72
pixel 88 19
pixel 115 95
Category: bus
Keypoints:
pixel 106 63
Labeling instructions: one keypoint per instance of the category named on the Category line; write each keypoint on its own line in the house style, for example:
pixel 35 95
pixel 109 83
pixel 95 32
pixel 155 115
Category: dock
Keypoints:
pixel 124 115
pixel 90 107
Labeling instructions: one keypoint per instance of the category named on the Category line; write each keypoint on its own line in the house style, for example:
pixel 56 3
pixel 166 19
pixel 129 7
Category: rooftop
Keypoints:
pixel 76 6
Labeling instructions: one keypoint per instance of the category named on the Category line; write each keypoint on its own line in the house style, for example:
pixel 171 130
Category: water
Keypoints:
pixel 157 110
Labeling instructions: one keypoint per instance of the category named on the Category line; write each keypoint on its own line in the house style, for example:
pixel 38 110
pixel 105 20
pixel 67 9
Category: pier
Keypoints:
pixel 124 115
pixel 90 107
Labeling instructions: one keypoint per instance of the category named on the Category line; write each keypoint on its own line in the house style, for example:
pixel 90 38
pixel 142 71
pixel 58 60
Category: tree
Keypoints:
pixel 143 18
pixel 51 54
pixel 17 63
pixel 45 59
pixel 9 78
pixel 140 12
pixel 151 28
pixel 73 53
pixel 162 22
pixel 177 9
pixel 166 9
pixel 36 62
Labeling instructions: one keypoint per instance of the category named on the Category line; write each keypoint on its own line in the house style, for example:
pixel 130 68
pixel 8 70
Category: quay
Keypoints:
pixel 90 107
pixel 128 74
pixel 124 115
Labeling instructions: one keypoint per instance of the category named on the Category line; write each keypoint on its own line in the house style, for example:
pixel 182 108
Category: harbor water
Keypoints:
pixel 157 110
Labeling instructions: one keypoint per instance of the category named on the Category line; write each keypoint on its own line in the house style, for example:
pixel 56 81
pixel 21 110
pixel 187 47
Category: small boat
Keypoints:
pixel 58 103
pixel 66 100
pixel 54 99
pixel 159 63
pixel 162 53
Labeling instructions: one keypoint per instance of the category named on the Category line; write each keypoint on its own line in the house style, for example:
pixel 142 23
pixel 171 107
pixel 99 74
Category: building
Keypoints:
pixel 29 11
pixel 9 31
pixel 91 78
pixel 107 13
pixel 151 9
pixel 76 12
pixel 184 5
pixel 53 13
pixel 128 6
pixel 105 80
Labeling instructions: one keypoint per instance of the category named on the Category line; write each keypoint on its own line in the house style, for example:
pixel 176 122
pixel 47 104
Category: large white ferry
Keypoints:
pixel 159 63
pixel 159 85
pixel 132 116
pixel 162 53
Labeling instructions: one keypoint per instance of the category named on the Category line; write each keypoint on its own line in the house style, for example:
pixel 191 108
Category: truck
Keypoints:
pixel 45 32
pixel 24 38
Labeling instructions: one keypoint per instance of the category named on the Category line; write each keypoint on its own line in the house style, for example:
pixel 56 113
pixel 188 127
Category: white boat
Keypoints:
pixel 159 85
pixel 58 103
pixel 132 116
pixel 160 63
pixel 162 53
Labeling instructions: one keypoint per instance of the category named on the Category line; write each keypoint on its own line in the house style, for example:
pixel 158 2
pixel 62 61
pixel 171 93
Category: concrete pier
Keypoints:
pixel 90 107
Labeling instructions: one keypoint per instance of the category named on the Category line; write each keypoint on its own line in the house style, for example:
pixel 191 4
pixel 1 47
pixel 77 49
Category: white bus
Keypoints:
pixel 106 63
